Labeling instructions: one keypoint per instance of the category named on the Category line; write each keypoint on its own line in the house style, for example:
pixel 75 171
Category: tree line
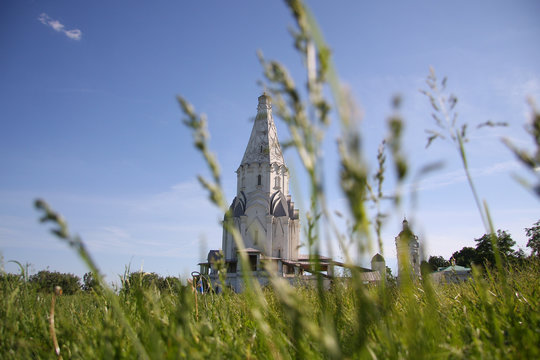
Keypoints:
pixel 45 281
pixel 482 254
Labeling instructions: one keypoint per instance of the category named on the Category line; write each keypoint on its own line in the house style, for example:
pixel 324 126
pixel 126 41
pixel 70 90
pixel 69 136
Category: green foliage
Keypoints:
pixel 437 261
pixel 458 321
pixel 45 281
pixel 533 233
pixel 425 268
pixel 485 252
pixel 465 257
pixel 10 281
pixel 485 246
pixel 89 282
pixel 136 281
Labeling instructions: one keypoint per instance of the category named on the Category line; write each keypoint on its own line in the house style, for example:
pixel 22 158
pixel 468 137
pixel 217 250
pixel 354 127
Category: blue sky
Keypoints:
pixel 89 120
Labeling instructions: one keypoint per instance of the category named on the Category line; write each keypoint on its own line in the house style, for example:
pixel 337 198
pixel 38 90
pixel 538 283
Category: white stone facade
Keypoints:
pixel 408 252
pixel 262 210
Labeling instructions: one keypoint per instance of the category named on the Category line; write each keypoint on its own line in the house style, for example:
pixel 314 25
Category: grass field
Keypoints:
pixel 483 319
pixel 494 315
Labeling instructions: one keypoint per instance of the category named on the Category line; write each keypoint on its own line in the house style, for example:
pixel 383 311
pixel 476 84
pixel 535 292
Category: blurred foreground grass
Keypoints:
pixel 459 321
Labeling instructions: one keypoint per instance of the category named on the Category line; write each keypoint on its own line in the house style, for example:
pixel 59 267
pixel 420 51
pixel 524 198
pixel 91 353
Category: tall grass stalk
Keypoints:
pixel 74 241
pixel 445 116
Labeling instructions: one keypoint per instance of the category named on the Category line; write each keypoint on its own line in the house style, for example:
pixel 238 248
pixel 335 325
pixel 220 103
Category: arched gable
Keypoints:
pixel 279 205
pixel 257 203
pixel 238 206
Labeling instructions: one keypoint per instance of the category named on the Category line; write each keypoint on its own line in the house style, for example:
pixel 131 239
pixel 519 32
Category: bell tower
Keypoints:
pixel 262 209
pixel 408 255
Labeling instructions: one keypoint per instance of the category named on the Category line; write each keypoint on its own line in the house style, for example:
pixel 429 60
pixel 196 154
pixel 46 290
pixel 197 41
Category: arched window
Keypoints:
pixel 259 180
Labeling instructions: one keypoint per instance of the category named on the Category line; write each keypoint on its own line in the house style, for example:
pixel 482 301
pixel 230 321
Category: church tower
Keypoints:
pixel 408 252
pixel 262 210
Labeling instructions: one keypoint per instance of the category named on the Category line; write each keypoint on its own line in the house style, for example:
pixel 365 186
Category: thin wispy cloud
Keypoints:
pixel 74 34
pixel 458 176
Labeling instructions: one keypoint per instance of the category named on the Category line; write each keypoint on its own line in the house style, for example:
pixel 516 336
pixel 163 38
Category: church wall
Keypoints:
pixel 273 178
pixel 294 236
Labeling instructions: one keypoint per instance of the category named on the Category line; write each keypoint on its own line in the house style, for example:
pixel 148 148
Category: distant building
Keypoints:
pixel 408 252
pixel 451 274
pixel 378 264
pixel 264 215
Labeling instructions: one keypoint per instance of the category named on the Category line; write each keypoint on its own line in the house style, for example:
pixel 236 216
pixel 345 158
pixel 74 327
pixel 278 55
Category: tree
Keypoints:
pixel 425 268
pixel 169 284
pixel 518 258
pixel 484 248
pixel 89 282
pixel 390 279
pixel 533 233
pixel 141 280
pixel 437 261
pixel 10 281
pixel 46 281
pixel 464 257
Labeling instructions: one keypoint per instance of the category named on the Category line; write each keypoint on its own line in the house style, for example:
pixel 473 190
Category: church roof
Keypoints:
pixel 303 257
pixel 377 258
pixel 407 232
pixel 250 250
pixel 263 145
pixel 454 268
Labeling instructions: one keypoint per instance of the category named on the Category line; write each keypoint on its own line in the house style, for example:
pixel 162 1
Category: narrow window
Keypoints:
pixel 253 262
pixel 259 180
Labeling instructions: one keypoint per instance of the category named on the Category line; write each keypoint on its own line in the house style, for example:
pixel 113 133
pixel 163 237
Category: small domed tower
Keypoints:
pixel 378 264
pixel 408 252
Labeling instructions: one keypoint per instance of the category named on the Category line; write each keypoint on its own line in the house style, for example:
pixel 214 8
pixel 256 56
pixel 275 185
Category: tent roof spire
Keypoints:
pixel 263 145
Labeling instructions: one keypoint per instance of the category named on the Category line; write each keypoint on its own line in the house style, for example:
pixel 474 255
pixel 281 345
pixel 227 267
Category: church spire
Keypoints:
pixel 263 145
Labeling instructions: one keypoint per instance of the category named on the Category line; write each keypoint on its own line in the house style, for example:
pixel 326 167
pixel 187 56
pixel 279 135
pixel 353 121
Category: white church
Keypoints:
pixel 264 215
